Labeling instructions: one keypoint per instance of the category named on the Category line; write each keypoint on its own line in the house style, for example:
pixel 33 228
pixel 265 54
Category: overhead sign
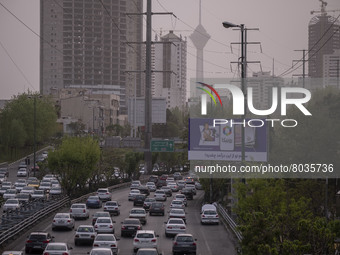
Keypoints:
pixel 162 146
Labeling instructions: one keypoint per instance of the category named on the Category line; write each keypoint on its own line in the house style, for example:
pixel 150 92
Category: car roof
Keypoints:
pixel 145 231
pixel 39 233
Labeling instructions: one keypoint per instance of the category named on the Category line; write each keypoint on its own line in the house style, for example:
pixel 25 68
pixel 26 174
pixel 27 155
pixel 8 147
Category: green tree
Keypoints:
pixel 131 162
pixel 75 161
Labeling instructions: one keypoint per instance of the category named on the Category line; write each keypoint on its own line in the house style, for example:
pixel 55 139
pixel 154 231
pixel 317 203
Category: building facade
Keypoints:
pixel 331 69
pixel 84 42
pixel 170 70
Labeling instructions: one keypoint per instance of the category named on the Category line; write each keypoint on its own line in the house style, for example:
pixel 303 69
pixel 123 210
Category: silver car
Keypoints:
pixel 11 204
pixel 104 225
pixel 106 241
pixel 63 220
pixel 57 249
pixel 85 233
pixel 174 226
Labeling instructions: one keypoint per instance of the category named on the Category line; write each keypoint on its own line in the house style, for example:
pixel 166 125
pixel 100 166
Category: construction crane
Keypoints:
pixel 323 9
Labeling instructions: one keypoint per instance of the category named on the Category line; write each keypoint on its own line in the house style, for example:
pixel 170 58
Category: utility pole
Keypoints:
pixel 303 66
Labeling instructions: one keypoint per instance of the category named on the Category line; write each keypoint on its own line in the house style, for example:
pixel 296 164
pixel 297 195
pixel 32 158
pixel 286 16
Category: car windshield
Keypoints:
pixel 137 211
pixel 172 221
pixel 157 204
pixel 101 252
pixel 184 239
pixel 131 222
pixel 105 238
pixel 136 182
pixel 210 212
pixel 37 237
pixel 145 235
pixel 78 206
pixel 11 191
pixel 177 202
pixel 28 188
pixel 38 192
pixel 93 198
pixel 150 200
pixel 103 221
pixel 60 216
pixel 177 212
pixel 11 202
pixel 101 214
pixel 180 196
pixel 147 252
pixel 56 247
pixel 85 229
pixel 111 203
pixel 102 191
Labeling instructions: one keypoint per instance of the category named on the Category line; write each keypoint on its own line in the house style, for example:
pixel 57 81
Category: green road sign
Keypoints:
pixel 162 146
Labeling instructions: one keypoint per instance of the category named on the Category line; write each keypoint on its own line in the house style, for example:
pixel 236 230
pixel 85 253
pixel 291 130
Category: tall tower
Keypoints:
pixel 323 38
pixel 199 37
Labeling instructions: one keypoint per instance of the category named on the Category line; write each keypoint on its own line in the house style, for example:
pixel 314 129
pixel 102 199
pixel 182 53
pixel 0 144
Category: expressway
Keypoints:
pixel 211 239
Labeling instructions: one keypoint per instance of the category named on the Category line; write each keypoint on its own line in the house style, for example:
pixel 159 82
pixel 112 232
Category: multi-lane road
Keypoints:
pixel 212 239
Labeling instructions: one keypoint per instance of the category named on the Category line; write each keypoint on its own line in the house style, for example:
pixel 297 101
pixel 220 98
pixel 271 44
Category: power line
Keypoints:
pixel 19 69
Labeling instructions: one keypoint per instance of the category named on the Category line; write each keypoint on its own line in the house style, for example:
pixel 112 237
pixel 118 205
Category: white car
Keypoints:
pixel 173 186
pixel 169 179
pixel 44 154
pixel 177 213
pixel 11 204
pixel 112 207
pixel 22 172
pixel 28 190
pixel 79 211
pixel 209 216
pixel 138 213
pixel 160 195
pixel 10 193
pixel 177 204
pixel 57 249
pixel 63 220
pixel 101 251
pixel 7 185
pixel 104 194
pixel 135 184
pixel 106 241
pixel 85 233
pixel 182 198
pixel 55 191
pixel 133 193
pixel 46 186
pixel 104 225
pixel 151 185
pixel 38 194
pixel 174 226
pixel 145 239
pixel 48 177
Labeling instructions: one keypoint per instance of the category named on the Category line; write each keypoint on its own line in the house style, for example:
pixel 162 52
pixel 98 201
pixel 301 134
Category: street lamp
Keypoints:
pixel 227 24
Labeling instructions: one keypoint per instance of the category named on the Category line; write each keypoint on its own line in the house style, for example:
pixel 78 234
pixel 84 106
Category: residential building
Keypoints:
pixel 331 69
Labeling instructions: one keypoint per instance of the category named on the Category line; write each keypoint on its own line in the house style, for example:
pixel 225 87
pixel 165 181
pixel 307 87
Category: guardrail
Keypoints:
pixel 231 223
pixel 28 222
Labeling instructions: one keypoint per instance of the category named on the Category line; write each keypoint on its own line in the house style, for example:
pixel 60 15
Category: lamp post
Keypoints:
pixel 227 24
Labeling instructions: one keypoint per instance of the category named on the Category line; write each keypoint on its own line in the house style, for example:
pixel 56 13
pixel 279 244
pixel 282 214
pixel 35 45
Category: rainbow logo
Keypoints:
pixel 227 130
pixel 209 93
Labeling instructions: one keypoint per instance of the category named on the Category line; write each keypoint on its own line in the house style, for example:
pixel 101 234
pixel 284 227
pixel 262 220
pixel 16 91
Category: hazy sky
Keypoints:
pixel 283 28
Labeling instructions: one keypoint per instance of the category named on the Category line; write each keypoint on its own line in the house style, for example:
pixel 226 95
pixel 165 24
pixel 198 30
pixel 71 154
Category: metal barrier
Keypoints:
pixel 231 223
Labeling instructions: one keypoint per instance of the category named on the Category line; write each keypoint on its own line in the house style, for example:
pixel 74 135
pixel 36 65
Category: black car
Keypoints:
pixel 144 190
pixel 156 208
pixel 167 190
pixel 160 183
pixel 130 227
pixel 184 243
pixel 188 193
pixel 37 241
pixel 139 200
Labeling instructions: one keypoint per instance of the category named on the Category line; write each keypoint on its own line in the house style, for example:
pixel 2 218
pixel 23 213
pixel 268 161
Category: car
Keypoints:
pixel 156 208
pixel 177 204
pixel 112 207
pixel 57 249
pixel 32 178
pixel 174 226
pixel 54 191
pixel 28 190
pixel 189 180
pixel 23 198
pixel 170 179
pixel 33 183
pixel 182 198
pixel 177 213
pixel 148 251
pixel 22 164
pixel 130 227
pixel 181 184
pixel 20 186
pixel 160 195
pixel 11 204
pixel 101 251
pixel 99 214
pixel 3 190
pixel 79 210
pixel 139 200
pixel 198 186
pixel 160 183
pixel 37 241
pixel 147 202
pixel 106 241
pixel 85 234
pixel 144 190
pixel 133 193
pixel 153 178
pixel 192 187
pixel 63 220
pixel 20 181
pixel 104 225
pixel 104 194
pixel 3 177
pixel 12 253
pixel 151 185
pixel 39 159
pixel 209 216
pixel 184 243
pixel 144 239
pixel 138 213
pixel 22 172
pixel 55 183
pixel 46 186
pixel 5 171
pixel 135 184
pixel 173 186
pixel 10 193
pixel 38 194
pixel 44 154
pixel 7 185
pixel 48 177
pixel 167 191
pixel 178 176
pixel 93 202
pixel 188 193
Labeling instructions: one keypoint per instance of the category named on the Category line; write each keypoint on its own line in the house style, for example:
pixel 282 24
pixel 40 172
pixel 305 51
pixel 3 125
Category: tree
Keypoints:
pixel 75 161
pixel 131 162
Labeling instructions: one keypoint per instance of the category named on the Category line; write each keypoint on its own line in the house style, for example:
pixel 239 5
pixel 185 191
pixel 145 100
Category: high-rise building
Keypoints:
pixel 170 58
pixel 323 38
pixel 331 69
pixel 84 43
